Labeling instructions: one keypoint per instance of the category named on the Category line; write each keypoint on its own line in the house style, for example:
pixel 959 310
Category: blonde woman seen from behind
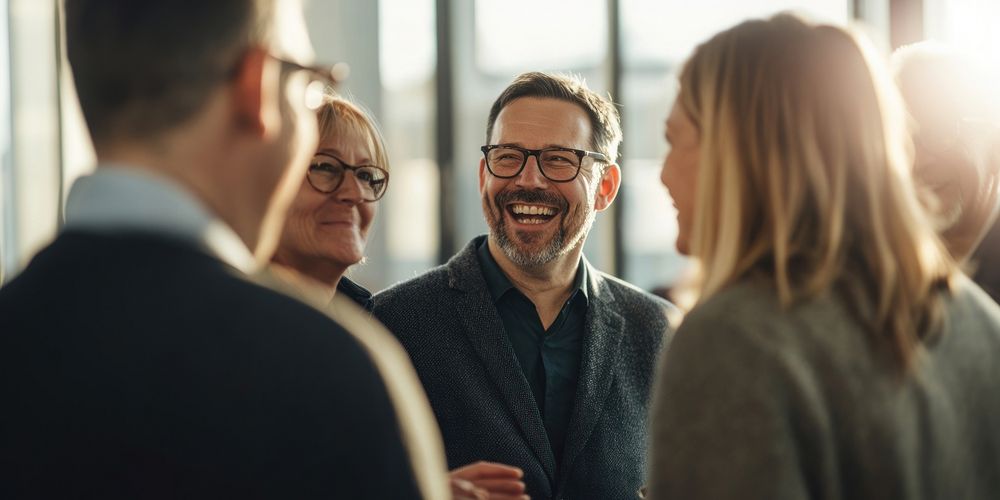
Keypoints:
pixel 833 350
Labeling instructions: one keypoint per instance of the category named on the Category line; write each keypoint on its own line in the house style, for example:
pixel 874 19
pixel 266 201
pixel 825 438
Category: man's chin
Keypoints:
pixel 530 240
pixel 531 251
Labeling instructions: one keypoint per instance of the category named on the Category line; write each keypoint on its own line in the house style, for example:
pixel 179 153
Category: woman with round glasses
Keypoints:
pixel 328 223
pixel 327 230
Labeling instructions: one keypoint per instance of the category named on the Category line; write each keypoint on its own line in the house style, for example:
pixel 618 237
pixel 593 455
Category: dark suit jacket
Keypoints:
pixel 447 322
pixel 140 367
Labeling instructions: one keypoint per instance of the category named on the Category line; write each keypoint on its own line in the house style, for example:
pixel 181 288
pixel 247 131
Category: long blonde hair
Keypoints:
pixel 804 176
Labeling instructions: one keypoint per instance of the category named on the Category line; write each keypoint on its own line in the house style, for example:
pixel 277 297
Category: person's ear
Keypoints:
pixel 256 86
pixel 482 174
pixel 607 187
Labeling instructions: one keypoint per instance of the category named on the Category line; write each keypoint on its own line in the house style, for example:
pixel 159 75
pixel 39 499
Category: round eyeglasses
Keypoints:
pixel 556 164
pixel 326 177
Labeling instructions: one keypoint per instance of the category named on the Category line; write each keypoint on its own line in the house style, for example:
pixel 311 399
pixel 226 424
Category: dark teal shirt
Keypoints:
pixel 550 359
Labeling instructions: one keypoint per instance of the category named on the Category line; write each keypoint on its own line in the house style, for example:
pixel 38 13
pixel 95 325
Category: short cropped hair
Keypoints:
pixel 604 119
pixel 339 114
pixel 144 67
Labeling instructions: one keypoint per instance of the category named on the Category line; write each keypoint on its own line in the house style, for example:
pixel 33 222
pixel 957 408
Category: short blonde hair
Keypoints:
pixel 804 176
pixel 338 114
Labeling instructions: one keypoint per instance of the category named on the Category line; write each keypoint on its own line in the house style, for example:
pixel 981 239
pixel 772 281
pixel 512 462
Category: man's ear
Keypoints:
pixel 482 174
pixel 256 87
pixel 607 187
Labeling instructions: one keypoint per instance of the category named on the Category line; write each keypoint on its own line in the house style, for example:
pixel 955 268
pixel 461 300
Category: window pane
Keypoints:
pixel 7 260
pixel 664 32
pixel 969 25
pixel 409 210
pixel 34 174
pixel 406 42
pixel 513 36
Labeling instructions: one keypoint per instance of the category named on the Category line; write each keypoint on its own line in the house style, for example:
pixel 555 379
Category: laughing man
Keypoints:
pixel 530 356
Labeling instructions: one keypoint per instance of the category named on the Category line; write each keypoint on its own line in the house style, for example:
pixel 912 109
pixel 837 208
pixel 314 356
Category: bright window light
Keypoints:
pixel 664 32
pixel 970 26
pixel 407 55
pixel 522 35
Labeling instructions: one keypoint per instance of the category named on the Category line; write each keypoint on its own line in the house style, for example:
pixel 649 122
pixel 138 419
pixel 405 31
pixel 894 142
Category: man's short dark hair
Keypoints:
pixel 142 67
pixel 604 118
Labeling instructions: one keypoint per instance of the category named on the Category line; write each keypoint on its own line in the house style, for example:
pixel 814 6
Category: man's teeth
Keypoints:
pixel 531 221
pixel 532 210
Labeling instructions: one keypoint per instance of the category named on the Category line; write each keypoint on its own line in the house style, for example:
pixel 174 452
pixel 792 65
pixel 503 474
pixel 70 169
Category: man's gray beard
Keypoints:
pixel 528 259
pixel 556 247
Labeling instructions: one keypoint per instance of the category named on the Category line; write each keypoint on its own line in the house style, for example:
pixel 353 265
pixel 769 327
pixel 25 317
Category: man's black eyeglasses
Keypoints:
pixel 556 164
pixel 327 176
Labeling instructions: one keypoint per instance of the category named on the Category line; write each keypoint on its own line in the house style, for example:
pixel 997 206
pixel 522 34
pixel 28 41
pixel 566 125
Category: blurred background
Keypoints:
pixel 429 70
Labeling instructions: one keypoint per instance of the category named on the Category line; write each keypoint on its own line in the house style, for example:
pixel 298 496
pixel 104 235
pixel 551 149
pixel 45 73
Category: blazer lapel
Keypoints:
pixel 603 332
pixel 484 329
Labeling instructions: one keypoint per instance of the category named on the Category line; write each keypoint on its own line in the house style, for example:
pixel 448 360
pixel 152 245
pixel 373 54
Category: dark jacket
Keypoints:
pixel 447 322
pixel 136 366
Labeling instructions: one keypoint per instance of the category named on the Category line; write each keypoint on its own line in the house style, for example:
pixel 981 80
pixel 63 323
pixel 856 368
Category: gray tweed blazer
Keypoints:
pixel 447 322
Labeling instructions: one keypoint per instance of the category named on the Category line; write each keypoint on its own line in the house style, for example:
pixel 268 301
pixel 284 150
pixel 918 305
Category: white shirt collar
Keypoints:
pixel 119 199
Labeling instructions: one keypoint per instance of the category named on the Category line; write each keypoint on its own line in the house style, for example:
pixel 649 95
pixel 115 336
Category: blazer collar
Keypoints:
pixel 604 329
pixel 359 294
pixel 463 268
pixel 484 330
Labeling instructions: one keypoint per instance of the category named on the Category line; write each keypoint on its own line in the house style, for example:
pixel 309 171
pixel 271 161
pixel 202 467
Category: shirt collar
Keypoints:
pixel 118 199
pixel 359 294
pixel 498 283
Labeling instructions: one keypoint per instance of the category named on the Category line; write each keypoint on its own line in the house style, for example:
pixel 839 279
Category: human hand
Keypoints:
pixel 487 481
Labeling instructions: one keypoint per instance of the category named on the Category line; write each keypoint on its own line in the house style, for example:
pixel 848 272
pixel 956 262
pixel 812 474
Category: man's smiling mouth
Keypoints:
pixel 526 213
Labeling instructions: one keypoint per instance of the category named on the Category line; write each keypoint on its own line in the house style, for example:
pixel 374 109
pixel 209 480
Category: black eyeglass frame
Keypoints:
pixel 354 173
pixel 580 154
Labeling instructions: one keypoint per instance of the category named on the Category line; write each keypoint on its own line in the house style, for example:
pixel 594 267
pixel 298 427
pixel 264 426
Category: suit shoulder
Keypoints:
pixel 262 301
pixel 413 289
pixel 407 309
pixel 634 298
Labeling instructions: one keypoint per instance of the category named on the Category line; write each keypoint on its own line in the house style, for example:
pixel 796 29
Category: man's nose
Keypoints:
pixel 531 175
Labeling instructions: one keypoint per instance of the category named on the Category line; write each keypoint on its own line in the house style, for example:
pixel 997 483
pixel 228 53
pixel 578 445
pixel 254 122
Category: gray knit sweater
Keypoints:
pixel 758 402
